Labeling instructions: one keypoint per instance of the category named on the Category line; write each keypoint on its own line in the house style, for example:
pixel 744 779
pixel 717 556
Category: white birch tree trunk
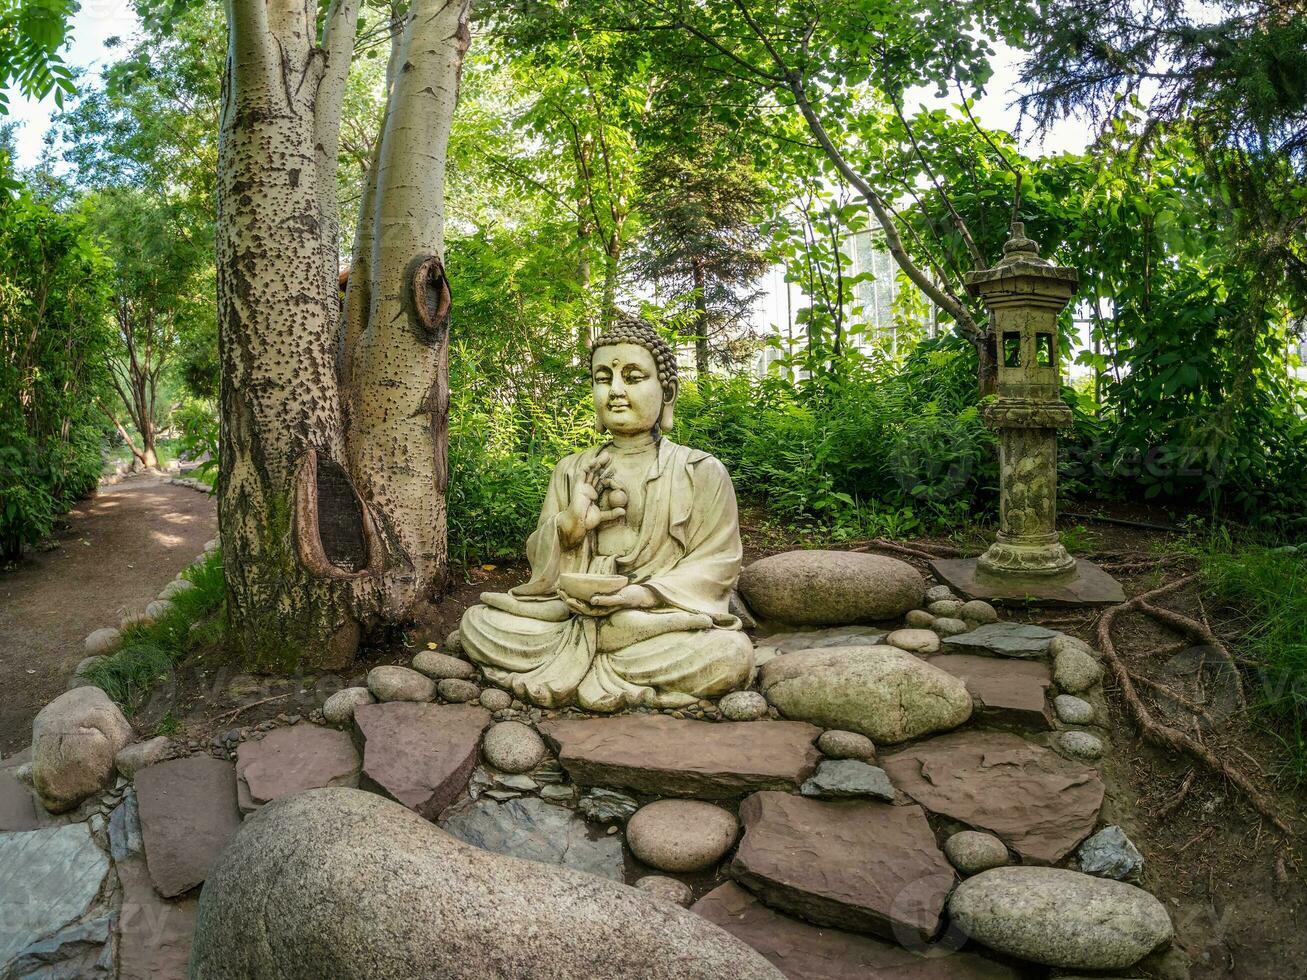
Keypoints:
pixel 397 381
pixel 322 533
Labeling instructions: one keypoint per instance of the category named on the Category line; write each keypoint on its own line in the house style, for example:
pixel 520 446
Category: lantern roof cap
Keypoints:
pixel 1020 258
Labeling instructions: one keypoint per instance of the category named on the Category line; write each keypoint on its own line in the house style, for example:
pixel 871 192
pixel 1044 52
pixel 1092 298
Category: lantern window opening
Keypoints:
pixel 1012 348
pixel 1044 349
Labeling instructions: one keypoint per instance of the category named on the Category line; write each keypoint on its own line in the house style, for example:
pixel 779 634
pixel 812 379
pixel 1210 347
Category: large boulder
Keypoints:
pixel 339 883
pixel 1060 918
pixel 74 740
pixel 882 692
pixel 831 587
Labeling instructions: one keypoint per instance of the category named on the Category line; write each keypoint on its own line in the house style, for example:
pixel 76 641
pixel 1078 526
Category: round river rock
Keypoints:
pixel 513 747
pixel 743 706
pixel 681 835
pixel 666 889
pixel 914 640
pixel 972 852
pixel 1075 671
pixel 419 904
pixel 1060 918
pixel 836 744
pixel 882 692
pixel 831 588
pixel 388 683
pixel 438 666
pixel 339 708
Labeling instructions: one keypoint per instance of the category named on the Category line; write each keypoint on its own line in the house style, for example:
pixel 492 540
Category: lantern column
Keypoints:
pixel 1028 562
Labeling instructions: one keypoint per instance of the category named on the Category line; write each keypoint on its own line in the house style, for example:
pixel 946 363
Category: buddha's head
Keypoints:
pixel 633 374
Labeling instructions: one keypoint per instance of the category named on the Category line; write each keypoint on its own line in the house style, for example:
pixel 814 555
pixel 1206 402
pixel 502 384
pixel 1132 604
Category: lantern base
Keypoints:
pixel 1027 555
pixel 1085 585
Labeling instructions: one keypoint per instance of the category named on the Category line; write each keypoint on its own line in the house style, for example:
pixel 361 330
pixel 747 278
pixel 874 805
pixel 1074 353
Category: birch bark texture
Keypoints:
pixel 332 418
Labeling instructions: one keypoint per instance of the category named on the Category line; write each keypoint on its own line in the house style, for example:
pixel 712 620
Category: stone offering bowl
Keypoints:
pixel 583 587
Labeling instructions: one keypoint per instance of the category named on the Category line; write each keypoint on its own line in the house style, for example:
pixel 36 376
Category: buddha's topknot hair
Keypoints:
pixel 626 329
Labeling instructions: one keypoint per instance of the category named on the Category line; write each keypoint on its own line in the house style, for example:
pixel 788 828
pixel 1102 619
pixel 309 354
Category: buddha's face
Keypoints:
pixel 628 397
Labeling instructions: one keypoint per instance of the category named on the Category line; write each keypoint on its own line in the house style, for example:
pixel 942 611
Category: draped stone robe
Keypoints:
pixel 686 551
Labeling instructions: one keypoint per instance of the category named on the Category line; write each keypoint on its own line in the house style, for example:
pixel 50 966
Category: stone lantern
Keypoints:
pixel 1025 294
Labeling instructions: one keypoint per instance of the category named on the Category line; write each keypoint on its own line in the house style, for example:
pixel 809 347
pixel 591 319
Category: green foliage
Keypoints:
pixel 1264 591
pixel 866 451
pixel 148 653
pixel 54 342
pixel 198 420
pixel 31 34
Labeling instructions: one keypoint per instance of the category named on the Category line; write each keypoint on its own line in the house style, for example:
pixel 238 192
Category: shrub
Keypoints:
pixel 54 343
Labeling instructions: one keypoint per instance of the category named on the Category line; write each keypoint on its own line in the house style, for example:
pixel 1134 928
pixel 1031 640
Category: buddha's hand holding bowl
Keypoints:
pixel 600 595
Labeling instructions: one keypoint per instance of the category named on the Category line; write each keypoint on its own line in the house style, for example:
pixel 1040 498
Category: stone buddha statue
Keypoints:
pixel 632 562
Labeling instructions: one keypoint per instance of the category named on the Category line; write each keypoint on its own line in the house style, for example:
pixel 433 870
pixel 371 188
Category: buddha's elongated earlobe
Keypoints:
pixel 665 417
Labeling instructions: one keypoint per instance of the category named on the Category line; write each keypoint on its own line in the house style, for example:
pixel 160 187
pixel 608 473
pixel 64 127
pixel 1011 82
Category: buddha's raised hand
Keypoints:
pixel 583 512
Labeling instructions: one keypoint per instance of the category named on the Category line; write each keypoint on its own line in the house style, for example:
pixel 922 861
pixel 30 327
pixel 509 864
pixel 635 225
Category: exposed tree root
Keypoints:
pixel 246 707
pixel 1170 692
pixel 1164 735
pixel 1199 631
pixel 917 551
pixel 1173 804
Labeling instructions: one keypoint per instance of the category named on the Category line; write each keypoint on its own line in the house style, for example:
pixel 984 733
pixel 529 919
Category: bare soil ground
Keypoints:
pixel 112 554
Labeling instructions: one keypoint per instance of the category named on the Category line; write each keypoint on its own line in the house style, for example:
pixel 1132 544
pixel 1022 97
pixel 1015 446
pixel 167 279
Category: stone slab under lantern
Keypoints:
pixel 1089 585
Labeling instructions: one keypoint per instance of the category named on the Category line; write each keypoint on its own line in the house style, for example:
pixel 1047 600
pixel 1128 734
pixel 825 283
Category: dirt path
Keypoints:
pixel 115 552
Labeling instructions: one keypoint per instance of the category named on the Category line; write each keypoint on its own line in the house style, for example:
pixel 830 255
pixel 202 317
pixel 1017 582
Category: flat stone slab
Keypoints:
pixel 1039 804
pixel 291 760
pixel 17 805
pixel 848 779
pixel 188 814
pixel 674 757
pixel 1008 691
pixel 1018 640
pixel 420 754
pixel 870 867
pixel 535 830
pixel 806 952
pixel 49 879
pixel 1089 585
pixel 154 935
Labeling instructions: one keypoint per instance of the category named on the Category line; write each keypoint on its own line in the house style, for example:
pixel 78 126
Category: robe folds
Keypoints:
pixel 686 551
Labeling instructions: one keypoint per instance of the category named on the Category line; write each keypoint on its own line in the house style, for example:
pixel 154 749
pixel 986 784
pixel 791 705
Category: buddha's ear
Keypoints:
pixel 669 403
